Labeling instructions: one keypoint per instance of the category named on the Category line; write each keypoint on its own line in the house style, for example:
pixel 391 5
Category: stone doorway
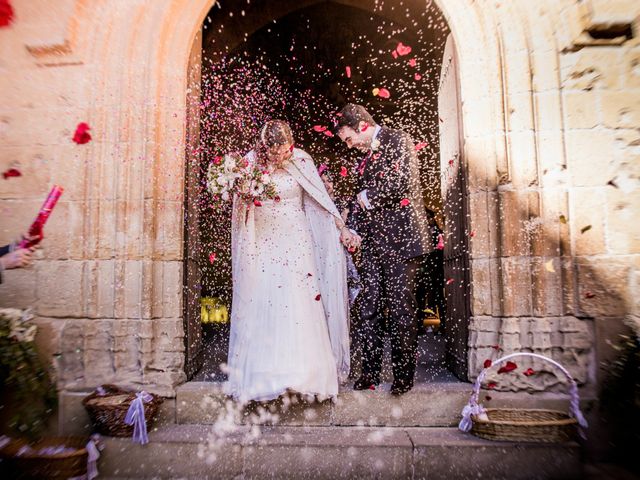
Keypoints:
pixel 283 51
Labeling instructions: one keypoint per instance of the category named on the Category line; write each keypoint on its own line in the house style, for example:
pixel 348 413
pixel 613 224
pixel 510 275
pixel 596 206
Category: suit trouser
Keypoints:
pixel 389 283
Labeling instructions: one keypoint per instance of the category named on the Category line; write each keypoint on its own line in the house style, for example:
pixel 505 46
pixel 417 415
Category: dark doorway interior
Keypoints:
pixel 302 67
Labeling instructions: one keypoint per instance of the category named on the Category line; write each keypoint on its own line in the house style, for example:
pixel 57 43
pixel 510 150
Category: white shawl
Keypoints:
pixel 328 251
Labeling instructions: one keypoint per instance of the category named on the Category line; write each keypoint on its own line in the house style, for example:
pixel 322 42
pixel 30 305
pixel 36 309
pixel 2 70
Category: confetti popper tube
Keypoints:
pixel 38 224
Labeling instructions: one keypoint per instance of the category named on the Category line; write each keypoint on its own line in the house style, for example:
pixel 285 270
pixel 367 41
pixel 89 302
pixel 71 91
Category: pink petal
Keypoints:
pixel 212 257
pixel 384 93
pixel 417 77
pixel 403 49
pixel 348 69
pixel 319 128
pixel 404 202
pixel 343 171
pixel 412 62
pixel 421 145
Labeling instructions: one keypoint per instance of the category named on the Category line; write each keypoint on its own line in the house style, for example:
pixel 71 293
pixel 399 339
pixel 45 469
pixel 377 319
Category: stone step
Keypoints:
pixel 426 405
pixel 195 451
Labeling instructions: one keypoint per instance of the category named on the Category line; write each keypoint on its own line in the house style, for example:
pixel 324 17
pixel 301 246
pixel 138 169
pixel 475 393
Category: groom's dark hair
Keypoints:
pixel 351 115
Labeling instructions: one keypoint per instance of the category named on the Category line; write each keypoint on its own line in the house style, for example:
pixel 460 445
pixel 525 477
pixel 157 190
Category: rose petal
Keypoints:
pixel 364 127
pixel 529 371
pixel 319 128
pixel 440 245
pixel 449 281
pixel 509 367
pixel 328 133
pixel 348 69
pixel 417 77
pixel 472 233
pixel 491 385
pixel 495 347
pixel 212 257
pixel 384 93
pixel 412 62
pixel 421 145
pixel 6 13
pixel 343 171
pixel 394 54
pixel 12 172
pixel 403 49
pixel 404 202
pixel 257 203
pixel 487 363
pixel 318 296
pixel 82 135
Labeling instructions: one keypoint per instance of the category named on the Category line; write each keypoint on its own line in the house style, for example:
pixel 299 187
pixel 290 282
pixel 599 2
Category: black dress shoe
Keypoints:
pixel 398 389
pixel 364 384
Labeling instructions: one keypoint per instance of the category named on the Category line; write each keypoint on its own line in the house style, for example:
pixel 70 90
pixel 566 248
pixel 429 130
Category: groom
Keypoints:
pixel 389 214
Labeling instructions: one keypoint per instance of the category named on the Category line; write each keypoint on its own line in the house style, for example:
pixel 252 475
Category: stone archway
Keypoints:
pixel 132 262
pixel 193 331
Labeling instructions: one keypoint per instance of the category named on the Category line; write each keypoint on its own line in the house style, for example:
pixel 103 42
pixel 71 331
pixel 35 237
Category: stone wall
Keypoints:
pixel 551 126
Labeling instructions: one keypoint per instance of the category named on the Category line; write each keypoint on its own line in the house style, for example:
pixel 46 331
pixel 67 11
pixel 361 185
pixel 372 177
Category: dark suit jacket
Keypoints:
pixel 391 177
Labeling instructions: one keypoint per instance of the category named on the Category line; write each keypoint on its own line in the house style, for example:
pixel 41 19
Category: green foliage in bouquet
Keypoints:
pixel 28 395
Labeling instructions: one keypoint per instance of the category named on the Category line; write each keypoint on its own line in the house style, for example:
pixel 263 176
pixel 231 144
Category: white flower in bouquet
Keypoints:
pixel 229 164
pixel 256 189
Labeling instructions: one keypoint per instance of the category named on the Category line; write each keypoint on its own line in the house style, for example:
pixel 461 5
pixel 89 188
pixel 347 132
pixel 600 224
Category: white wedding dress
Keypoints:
pixel 280 336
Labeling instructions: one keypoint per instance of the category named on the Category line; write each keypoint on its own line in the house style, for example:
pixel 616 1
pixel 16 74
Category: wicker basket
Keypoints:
pixel 108 411
pixel 51 466
pixel 524 425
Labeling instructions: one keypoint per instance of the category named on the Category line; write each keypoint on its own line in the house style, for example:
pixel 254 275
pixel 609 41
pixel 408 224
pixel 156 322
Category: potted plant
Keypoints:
pixel 27 399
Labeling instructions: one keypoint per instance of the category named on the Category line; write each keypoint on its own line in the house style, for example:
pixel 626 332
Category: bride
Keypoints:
pixel 289 317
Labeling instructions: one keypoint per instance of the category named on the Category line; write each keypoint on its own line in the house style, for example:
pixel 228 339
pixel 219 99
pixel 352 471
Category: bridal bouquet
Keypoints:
pixel 232 174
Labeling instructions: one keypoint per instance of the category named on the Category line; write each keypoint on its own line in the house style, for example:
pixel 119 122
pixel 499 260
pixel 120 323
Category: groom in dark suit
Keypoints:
pixel 389 214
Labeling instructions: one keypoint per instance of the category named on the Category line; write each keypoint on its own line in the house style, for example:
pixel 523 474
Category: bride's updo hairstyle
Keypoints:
pixel 274 133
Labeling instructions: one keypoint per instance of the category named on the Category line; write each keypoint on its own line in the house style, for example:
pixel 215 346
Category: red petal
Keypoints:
pixel 404 202
pixel 343 171
pixel 348 69
pixel 319 128
pixel 509 367
pixel 403 49
pixel 451 162
pixel 365 127
pixel 217 160
pixel 292 147
pixel 81 135
pixel 372 387
pixel 384 93
pixel 212 257
pixel 421 145
pixel 495 347
pixel 257 203
pixel 472 233
pixel 318 297
pixel 528 372
pixel 12 172
pixel 450 281
pixel 351 249
pixel 6 13
pixel 440 245
pixel 487 363
pixel 328 133
pixel 491 385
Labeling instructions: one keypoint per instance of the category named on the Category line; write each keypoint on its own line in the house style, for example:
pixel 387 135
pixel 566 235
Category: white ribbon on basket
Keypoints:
pixel 474 408
pixel 135 416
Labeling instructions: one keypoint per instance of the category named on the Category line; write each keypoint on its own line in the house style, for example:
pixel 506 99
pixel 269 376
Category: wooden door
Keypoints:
pixel 192 275
pixel 454 199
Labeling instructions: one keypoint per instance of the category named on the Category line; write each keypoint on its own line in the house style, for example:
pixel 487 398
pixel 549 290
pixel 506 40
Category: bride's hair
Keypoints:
pixel 272 133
